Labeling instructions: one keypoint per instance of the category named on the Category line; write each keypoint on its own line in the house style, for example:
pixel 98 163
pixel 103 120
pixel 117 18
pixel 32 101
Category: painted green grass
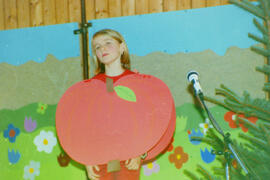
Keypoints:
pixel 188 118
pixel 49 167
pixel 17 117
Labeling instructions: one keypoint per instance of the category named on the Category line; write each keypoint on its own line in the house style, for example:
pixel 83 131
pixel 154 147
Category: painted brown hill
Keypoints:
pixel 46 82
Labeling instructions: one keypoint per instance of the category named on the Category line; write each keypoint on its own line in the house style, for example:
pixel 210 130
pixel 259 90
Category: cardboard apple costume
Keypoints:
pixel 95 126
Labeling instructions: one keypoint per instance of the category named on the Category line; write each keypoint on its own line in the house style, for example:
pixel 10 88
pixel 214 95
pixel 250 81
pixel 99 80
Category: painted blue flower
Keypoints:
pixel 207 156
pixel 11 133
pixel 195 134
pixel 13 156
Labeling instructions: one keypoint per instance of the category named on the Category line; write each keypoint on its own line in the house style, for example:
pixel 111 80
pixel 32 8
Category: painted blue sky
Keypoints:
pixel 195 30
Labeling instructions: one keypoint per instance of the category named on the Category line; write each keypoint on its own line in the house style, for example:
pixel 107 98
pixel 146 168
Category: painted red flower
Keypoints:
pixel 234 164
pixel 179 157
pixel 63 159
pixel 230 117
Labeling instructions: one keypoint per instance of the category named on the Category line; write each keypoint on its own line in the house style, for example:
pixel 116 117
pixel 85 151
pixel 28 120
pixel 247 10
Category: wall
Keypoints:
pixel 31 13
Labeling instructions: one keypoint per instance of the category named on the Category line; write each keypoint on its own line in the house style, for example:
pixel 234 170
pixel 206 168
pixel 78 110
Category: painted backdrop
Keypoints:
pixel 38 64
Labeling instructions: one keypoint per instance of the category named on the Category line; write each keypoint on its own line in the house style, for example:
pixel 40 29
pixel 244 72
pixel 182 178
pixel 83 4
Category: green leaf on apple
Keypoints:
pixel 125 93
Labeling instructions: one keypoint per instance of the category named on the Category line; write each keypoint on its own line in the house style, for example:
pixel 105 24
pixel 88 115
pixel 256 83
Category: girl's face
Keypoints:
pixel 108 50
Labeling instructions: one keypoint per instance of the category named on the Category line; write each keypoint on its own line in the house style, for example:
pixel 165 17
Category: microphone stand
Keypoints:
pixel 227 141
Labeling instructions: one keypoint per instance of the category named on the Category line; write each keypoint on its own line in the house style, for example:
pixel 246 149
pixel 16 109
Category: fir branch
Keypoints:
pixel 233 104
pixel 265 7
pixel 253 140
pixel 266 133
pixel 204 172
pixel 266 124
pixel 247 123
pixel 190 175
pixel 266 87
pixel 219 171
pixel 212 100
pixel 229 90
pixel 260 27
pixel 246 5
pixel 249 146
pixel 261 51
pixel 211 134
pixel 209 141
pixel 265 69
pixel 258 108
pixel 259 39
pixel 227 94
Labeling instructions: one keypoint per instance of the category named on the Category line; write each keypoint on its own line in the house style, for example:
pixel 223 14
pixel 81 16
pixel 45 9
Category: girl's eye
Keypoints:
pixel 108 42
pixel 97 48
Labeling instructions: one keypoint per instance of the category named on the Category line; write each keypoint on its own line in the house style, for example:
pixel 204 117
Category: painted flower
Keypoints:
pixel 13 157
pixel 234 164
pixel 205 126
pixel 63 159
pixel 195 134
pixel 29 124
pixel 179 157
pixel 42 108
pixel 207 156
pixel 31 170
pixel 45 141
pixel 11 133
pixel 151 167
pixel 230 117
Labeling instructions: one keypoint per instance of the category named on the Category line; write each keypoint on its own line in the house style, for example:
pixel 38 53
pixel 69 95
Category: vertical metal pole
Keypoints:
pixel 84 41
pixel 84 31
pixel 228 177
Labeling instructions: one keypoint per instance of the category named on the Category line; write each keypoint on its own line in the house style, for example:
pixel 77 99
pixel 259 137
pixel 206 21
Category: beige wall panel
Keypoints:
pixel 90 9
pixel 115 8
pixel 62 11
pixel 2 15
pixel 36 13
pixel 23 10
pixel 198 3
pixel 49 12
pixel 169 5
pixel 155 6
pixel 141 6
pixel 128 7
pixel 102 9
pixel 183 4
pixel 10 14
pixel 74 10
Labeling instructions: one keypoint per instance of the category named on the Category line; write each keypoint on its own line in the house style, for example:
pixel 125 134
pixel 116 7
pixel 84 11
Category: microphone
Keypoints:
pixel 193 77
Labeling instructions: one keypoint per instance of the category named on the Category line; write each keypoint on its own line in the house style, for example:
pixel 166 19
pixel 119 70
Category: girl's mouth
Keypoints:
pixel 105 54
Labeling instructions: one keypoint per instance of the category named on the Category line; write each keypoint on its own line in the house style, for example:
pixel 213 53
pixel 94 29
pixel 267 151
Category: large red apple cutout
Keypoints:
pixel 95 126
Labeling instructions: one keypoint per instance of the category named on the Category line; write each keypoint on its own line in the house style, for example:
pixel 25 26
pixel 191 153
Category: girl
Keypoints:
pixel 115 115
pixel 111 55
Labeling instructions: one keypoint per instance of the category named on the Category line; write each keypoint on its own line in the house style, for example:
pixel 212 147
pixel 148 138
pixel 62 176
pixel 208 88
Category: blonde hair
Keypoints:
pixel 125 59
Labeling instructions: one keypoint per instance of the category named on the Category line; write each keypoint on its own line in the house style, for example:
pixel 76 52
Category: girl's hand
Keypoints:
pixel 134 163
pixel 91 173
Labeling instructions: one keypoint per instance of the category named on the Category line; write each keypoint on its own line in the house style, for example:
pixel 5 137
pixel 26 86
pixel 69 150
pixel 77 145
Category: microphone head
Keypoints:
pixel 192 76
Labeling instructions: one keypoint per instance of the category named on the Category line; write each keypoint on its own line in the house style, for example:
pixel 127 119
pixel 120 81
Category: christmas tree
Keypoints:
pixel 255 151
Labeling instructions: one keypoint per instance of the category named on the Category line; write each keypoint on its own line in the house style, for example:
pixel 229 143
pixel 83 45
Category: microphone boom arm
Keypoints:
pixel 227 140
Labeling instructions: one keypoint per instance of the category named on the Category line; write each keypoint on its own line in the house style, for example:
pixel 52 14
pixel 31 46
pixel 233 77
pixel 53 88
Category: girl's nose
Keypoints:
pixel 102 48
